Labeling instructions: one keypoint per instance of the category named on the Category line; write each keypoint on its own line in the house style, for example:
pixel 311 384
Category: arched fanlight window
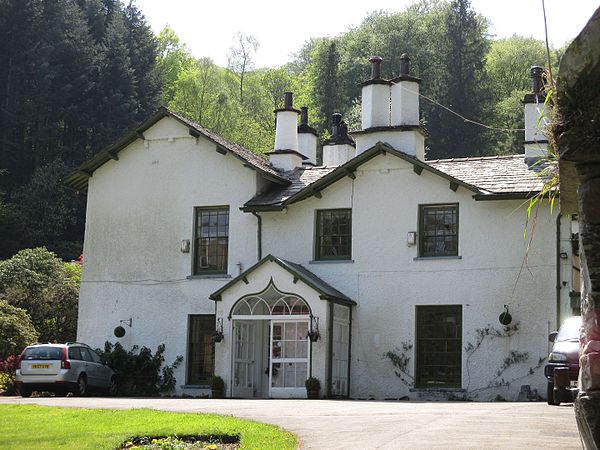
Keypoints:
pixel 270 302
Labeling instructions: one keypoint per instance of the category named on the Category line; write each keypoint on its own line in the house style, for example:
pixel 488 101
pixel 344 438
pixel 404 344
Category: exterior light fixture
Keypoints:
pixel 313 334
pixel 218 335
pixel 505 318
pixel 120 331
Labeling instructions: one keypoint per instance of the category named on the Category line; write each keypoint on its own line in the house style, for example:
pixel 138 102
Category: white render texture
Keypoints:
pixel 536 120
pixel 411 142
pixel 338 154
pixel 405 103
pixel 375 105
pixel 286 130
pixel 285 160
pixel 307 145
pixel 141 207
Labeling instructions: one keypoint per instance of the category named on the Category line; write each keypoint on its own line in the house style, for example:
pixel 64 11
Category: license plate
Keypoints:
pixel 40 366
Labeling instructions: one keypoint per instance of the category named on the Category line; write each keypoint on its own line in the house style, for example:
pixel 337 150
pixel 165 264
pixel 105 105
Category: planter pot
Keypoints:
pixel 312 394
pixel 217 393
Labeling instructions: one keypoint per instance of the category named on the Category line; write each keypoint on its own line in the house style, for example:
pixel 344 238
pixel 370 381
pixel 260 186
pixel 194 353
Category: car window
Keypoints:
pixel 95 356
pixel 75 353
pixel 45 353
pixel 85 354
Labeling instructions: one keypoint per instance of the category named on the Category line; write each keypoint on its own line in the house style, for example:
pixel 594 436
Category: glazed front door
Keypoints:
pixel 244 333
pixel 289 359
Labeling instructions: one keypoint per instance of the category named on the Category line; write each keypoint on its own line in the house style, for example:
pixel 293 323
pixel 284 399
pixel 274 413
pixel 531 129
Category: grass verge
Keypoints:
pixel 44 427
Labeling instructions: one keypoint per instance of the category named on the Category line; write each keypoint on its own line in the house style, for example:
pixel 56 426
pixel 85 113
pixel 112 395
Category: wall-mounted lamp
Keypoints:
pixel 120 331
pixel 563 255
pixel 313 334
pixel 411 238
pixel 185 246
pixel 218 336
pixel 505 318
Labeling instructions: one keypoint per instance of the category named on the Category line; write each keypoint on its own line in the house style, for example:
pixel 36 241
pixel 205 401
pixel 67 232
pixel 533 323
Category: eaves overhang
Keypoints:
pixel 78 179
pixel 324 289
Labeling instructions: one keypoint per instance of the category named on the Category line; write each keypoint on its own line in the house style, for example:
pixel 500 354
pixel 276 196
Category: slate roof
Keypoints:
pixel 325 290
pixel 488 177
pixel 496 174
pixel 78 179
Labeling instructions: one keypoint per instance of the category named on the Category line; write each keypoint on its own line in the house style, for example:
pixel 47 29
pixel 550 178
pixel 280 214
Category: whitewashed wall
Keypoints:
pixel 139 209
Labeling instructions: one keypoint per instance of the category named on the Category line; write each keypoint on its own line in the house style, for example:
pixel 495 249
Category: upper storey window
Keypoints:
pixel 211 240
pixel 334 234
pixel 438 230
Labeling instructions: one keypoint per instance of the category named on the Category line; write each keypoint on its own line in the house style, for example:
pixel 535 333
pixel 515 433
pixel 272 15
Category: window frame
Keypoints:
pixel 196 271
pixel 317 237
pixel 421 230
pixel 420 381
pixel 209 332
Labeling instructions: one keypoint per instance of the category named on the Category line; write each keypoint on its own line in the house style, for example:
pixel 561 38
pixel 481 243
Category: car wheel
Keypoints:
pixel 81 386
pixel 25 392
pixel 112 387
pixel 550 395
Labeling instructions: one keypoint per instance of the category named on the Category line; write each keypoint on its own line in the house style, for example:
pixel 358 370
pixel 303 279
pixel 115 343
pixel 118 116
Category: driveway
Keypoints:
pixel 366 425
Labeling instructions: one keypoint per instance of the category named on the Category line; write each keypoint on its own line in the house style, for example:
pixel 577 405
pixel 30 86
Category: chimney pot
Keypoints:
pixel 304 116
pixel 288 100
pixel 404 64
pixel 536 79
pixel 336 119
pixel 375 67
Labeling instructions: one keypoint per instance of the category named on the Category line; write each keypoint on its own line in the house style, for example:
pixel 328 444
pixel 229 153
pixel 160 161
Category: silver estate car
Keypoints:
pixel 63 368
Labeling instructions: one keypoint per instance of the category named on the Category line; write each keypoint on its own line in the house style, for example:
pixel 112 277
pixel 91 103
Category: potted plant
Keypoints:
pixel 217 386
pixel 313 387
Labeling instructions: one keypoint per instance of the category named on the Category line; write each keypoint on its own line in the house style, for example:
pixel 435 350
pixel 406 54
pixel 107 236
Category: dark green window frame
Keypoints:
pixel 211 240
pixel 333 234
pixel 439 346
pixel 200 348
pixel 438 230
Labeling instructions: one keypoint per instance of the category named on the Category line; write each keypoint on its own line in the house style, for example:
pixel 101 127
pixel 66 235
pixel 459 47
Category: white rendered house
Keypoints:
pixel 375 270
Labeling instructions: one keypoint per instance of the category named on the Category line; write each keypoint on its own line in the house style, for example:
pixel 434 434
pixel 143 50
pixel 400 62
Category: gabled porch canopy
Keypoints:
pixel 324 289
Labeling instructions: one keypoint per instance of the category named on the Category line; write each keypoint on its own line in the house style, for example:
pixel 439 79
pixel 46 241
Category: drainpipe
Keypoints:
pixel 330 350
pixel 558 287
pixel 349 351
pixel 258 234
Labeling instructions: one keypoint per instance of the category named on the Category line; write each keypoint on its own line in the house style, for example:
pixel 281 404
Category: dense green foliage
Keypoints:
pixel 16 330
pixel 75 74
pixel 37 281
pixel 97 429
pixel 138 370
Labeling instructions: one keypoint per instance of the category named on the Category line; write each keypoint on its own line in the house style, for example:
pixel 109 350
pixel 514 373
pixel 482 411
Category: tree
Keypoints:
pixel 173 58
pixel 240 58
pixel 47 288
pixel 16 330
pixel 463 57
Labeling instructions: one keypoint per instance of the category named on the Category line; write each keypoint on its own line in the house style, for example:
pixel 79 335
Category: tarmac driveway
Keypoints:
pixel 349 424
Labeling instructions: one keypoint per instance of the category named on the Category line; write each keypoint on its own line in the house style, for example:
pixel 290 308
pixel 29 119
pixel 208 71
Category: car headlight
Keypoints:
pixel 558 357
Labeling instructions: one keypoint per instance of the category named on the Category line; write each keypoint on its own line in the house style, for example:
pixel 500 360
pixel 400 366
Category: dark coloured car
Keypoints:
pixel 62 368
pixel 563 362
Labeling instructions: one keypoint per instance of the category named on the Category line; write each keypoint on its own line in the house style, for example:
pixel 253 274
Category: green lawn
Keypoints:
pixel 43 427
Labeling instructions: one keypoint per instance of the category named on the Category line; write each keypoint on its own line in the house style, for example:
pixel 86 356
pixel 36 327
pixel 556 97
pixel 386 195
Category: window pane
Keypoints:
pixel 201 348
pixel 439 346
pixel 438 230
pixel 211 240
pixel 334 234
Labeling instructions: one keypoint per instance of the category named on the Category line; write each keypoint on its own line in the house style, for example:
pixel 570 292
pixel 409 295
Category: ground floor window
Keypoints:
pixel 439 346
pixel 201 348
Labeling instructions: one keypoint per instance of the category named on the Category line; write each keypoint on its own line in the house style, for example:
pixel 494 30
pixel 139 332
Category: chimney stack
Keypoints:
pixel 405 96
pixel 307 138
pixel 285 155
pixel 375 98
pixel 536 120
pixel 340 147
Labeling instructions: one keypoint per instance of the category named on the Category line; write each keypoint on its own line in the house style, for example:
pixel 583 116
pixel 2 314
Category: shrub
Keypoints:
pixel 138 371
pixel 16 329
pixel 8 367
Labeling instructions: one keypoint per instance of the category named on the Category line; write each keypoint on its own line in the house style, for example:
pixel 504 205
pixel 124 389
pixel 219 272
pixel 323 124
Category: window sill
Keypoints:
pixel 222 276
pixel 427 258
pixel 332 261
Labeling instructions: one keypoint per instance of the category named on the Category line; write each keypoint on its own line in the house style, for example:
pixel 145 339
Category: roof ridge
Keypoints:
pixel 476 158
